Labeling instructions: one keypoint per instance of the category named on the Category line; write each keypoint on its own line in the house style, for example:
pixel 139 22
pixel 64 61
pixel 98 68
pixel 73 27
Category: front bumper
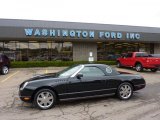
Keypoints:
pixel 139 86
pixel 26 95
pixel 26 98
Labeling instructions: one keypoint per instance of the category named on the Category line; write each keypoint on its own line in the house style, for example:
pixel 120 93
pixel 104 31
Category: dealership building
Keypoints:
pixel 34 40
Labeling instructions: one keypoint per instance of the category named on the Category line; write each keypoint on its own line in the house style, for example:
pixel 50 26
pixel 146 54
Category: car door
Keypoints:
pixel 93 81
pixel 74 88
pixel 128 59
pixel 123 59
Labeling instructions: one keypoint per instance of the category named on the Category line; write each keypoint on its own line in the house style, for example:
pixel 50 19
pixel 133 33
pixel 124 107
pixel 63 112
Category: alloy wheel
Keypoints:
pixel 5 70
pixel 139 67
pixel 45 99
pixel 125 91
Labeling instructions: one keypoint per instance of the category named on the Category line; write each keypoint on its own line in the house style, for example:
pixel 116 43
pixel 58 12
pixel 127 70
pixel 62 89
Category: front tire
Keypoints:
pixel 139 67
pixel 154 70
pixel 119 64
pixel 4 70
pixel 125 91
pixel 45 99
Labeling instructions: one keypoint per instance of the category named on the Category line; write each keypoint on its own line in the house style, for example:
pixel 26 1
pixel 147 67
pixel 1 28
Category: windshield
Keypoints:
pixel 68 71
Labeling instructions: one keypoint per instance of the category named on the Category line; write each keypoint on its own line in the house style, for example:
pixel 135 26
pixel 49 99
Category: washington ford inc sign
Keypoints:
pixel 80 34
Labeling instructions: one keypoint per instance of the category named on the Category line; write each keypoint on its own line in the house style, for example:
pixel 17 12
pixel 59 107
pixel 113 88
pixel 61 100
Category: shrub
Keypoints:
pixel 27 64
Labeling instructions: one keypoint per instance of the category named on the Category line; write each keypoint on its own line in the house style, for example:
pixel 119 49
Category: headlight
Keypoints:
pixel 24 85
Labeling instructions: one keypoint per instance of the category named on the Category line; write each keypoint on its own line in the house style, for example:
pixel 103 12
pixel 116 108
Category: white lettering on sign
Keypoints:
pixel 80 34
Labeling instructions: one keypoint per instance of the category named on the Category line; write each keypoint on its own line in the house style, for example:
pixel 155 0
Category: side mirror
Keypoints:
pixel 79 75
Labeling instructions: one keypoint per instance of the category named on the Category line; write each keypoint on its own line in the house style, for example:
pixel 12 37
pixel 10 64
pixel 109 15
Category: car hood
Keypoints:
pixel 43 76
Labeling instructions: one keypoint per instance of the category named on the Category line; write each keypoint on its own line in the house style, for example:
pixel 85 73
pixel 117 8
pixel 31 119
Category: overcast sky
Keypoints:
pixel 123 12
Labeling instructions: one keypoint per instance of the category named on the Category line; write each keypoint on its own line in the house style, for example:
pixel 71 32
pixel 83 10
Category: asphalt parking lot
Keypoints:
pixel 144 105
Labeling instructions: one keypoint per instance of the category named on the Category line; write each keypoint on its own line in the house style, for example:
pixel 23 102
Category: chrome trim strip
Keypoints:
pixel 139 84
pixel 87 97
pixel 77 71
pixel 87 91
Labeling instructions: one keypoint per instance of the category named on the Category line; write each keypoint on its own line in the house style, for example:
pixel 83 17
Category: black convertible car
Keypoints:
pixel 77 82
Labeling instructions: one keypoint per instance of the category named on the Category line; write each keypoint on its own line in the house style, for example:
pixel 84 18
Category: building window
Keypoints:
pixel 112 50
pixel 9 49
pixel 37 51
pixel 50 51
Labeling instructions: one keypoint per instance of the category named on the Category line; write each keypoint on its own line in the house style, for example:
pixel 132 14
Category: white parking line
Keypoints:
pixel 9 77
pixel 46 71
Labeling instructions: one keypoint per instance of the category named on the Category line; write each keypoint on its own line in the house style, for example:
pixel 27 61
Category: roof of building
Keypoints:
pixel 76 25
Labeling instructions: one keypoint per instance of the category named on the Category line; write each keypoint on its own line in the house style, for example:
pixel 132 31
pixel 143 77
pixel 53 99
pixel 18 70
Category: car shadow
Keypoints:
pixel 90 101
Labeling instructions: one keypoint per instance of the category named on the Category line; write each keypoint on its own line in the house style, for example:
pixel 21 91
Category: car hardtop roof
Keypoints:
pixel 92 64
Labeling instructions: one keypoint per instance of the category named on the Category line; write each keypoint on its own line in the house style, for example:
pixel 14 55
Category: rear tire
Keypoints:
pixel 119 65
pixel 45 99
pixel 154 69
pixel 4 70
pixel 125 91
pixel 139 67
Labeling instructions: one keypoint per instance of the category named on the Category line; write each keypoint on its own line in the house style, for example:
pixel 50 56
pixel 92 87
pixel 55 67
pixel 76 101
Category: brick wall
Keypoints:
pixel 81 51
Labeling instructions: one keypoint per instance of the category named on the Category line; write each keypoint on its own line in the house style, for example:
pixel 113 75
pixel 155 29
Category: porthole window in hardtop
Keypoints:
pixel 108 69
pixel 91 71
